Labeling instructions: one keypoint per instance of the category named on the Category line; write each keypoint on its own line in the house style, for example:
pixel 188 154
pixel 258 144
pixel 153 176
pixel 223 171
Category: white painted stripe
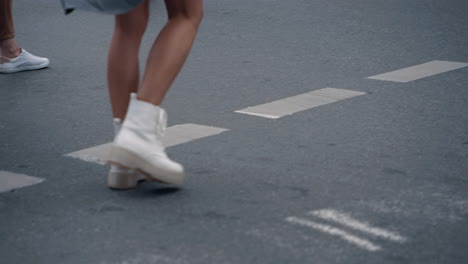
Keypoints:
pixel 96 154
pixel 256 114
pixel 419 71
pixel 298 103
pixel 184 133
pixel 11 181
pixel 355 240
pixel 174 135
pixel 346 220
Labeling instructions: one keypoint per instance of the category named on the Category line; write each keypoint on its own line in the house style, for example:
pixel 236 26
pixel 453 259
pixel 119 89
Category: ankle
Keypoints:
pixel 9 49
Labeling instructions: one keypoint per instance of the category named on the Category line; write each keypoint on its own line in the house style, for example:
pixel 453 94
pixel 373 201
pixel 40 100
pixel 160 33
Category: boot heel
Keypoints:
pixel 122 181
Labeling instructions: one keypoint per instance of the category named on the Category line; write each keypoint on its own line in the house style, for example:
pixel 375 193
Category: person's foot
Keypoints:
pixel 139 144
pixel 123 179
pixel 24 62
pixel 120 178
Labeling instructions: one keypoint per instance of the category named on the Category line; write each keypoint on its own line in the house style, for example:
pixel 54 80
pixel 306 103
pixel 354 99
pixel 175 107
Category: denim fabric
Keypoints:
pixel 101 6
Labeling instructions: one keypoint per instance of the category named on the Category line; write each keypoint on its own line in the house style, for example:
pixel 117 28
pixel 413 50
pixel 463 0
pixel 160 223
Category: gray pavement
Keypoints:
pixel 391 161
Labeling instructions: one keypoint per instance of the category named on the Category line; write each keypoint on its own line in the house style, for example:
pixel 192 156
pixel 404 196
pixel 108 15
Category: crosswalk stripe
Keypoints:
pixel 298 103
pixel 419 71
pixel 174 135
pixel 360 242
pixel 11 181
pixel 184 133
pixel 346 220
pixel 97 154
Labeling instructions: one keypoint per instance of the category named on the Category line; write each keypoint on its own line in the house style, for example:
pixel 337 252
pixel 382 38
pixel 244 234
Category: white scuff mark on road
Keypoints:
pixel 355 240
pixel 346 220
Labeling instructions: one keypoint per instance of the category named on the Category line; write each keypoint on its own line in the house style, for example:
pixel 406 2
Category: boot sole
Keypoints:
pixel 128 159
pixel 118 181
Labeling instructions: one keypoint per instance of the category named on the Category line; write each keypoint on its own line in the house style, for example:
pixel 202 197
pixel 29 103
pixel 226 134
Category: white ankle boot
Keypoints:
pixel 139 143
pixel 121 178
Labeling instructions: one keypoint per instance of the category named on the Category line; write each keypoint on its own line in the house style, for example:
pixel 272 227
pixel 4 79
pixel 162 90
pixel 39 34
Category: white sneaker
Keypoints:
pixel 24 62
pixel 139 143
pixel 121 178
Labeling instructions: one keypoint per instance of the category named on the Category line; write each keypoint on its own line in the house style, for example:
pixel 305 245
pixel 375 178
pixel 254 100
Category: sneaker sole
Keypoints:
pixel 130 160
pixel 25 68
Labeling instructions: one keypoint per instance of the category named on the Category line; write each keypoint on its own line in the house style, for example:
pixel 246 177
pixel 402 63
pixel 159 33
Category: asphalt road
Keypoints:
pixel 378 178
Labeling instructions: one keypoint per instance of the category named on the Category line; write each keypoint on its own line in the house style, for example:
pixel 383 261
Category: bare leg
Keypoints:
pixel 138 144
pixel 170 48
pixel 123 71
pixel 9 49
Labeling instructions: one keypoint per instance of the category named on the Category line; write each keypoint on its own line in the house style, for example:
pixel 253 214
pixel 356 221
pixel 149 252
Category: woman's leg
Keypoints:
pixel 170 48
pixel 122 72
pixel 123 79
pixel 12 57
pixel 139 142
pixel 8 47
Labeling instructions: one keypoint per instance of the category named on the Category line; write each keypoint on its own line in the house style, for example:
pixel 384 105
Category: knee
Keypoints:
pixel 193 17
pixel 135 26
